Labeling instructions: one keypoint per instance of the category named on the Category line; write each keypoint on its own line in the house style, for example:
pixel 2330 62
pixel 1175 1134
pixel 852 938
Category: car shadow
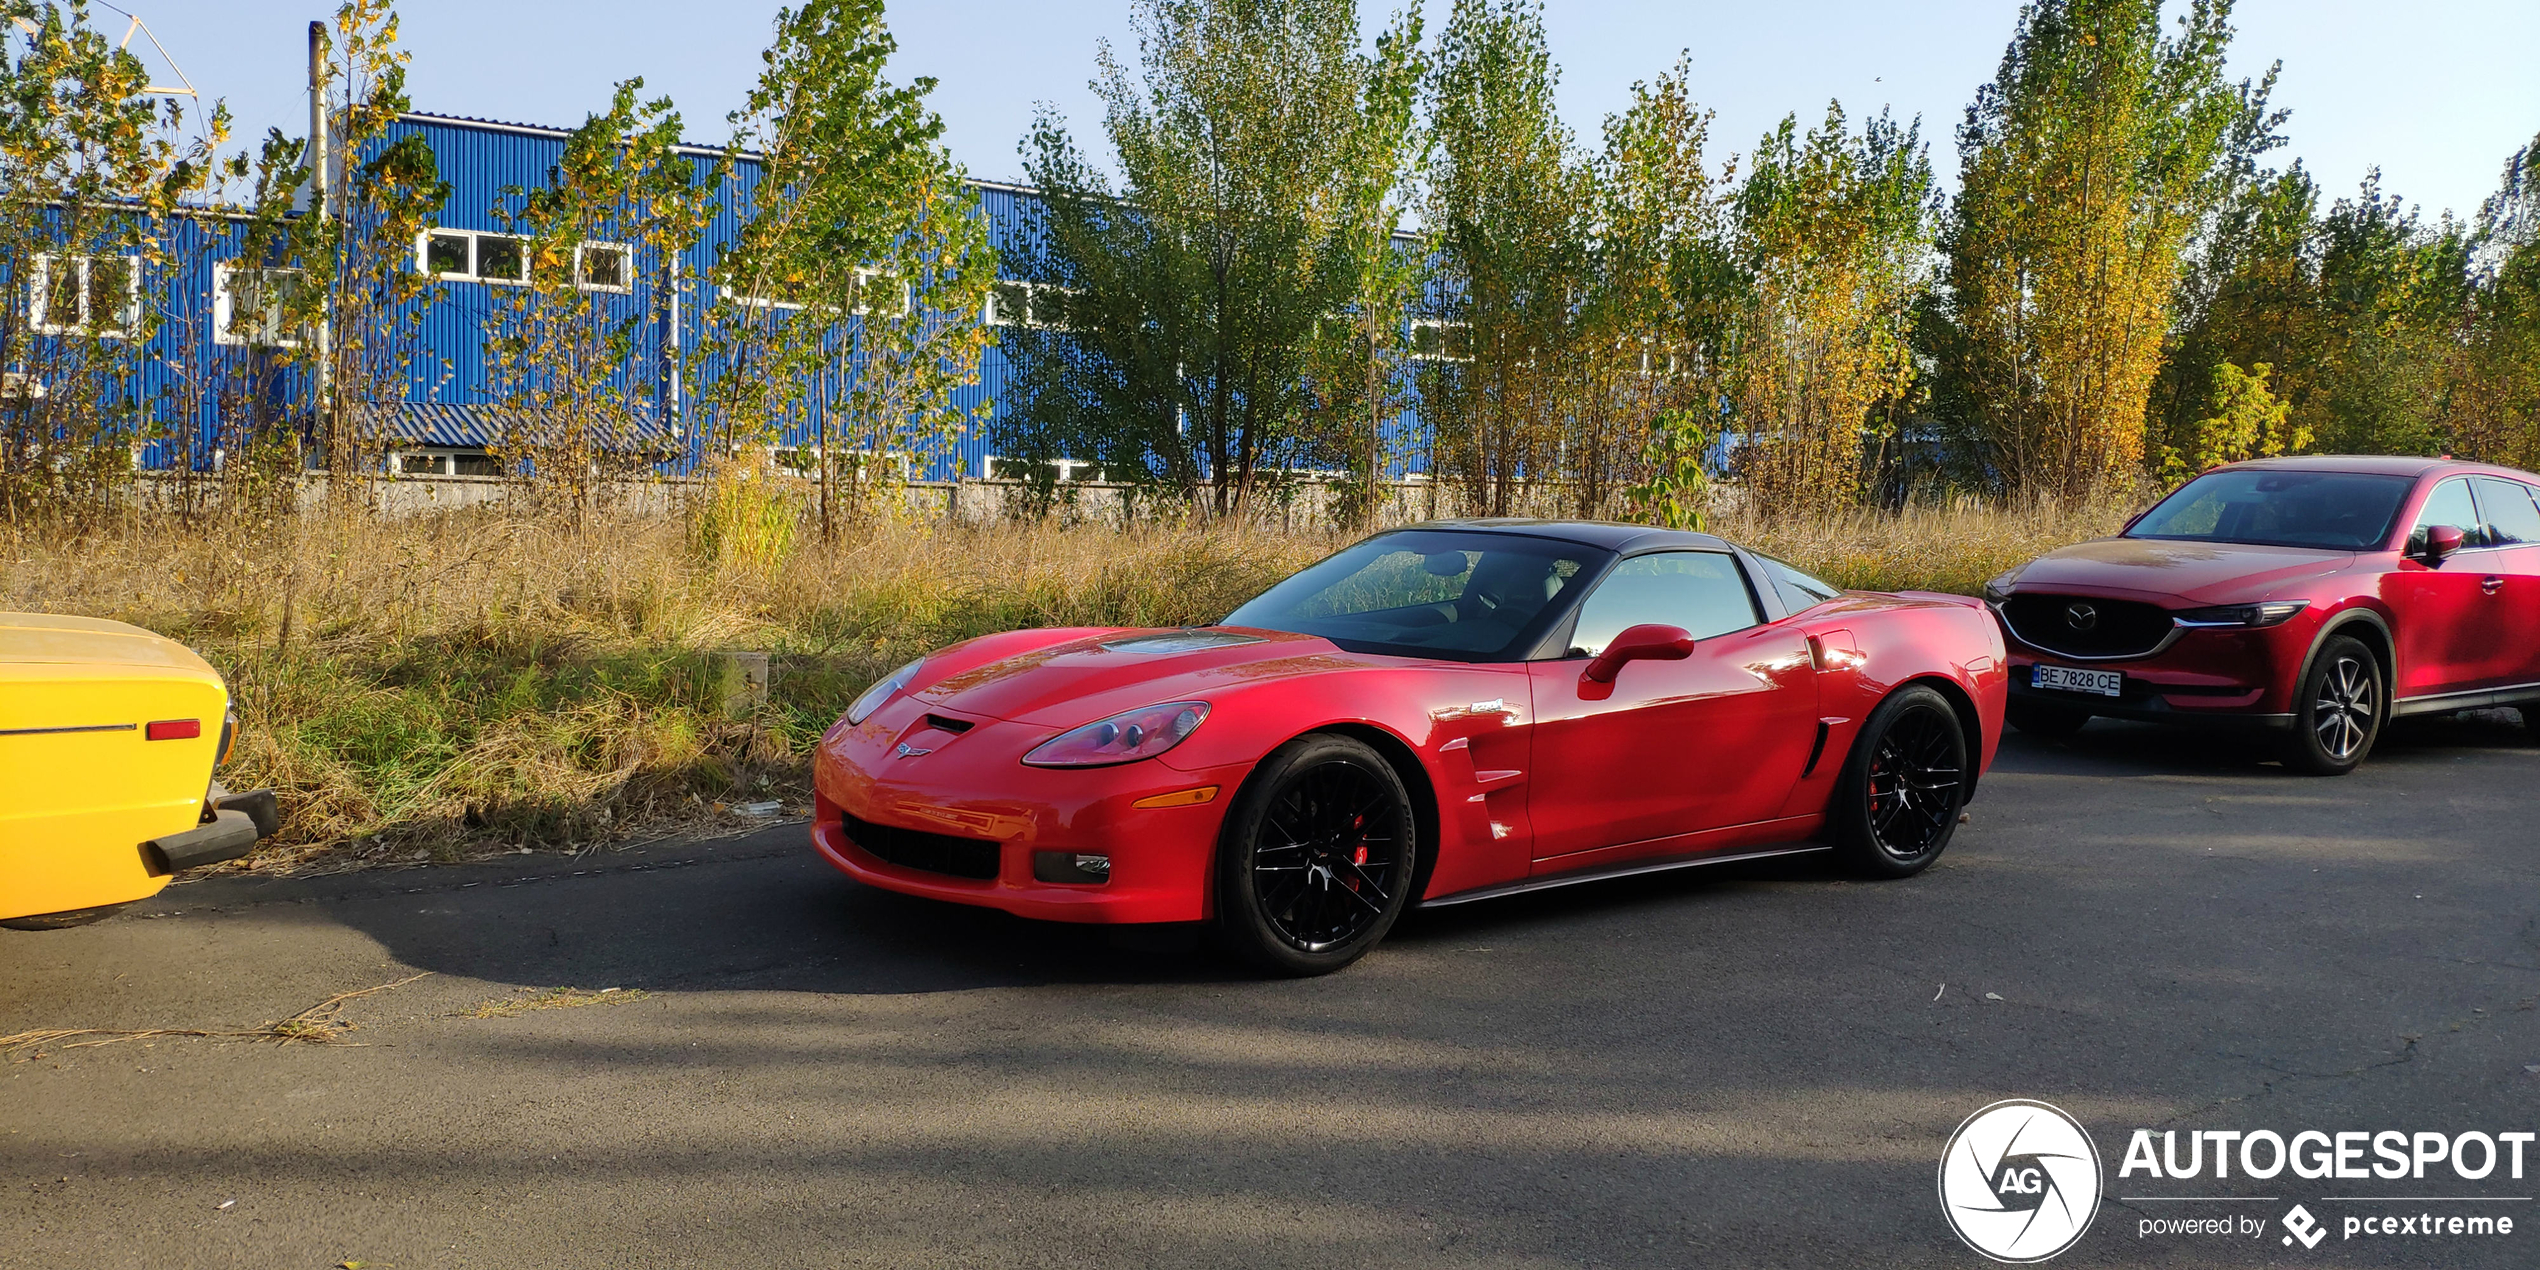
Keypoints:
pixel 761 912
pixel 2151 748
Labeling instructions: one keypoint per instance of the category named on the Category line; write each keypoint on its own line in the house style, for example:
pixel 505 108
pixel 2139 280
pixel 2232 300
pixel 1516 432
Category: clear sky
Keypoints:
pixel 2437 92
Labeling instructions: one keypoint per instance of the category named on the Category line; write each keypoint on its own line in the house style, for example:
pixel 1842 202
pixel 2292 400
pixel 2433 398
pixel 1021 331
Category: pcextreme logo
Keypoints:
pixel 2019 1181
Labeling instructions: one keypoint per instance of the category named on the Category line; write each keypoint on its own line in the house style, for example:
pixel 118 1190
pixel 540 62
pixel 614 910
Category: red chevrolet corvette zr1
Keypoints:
pixel 1443 713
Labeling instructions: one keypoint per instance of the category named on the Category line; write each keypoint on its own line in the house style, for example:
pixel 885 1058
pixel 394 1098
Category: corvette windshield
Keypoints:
pixel 2343 511
pixel 1430 593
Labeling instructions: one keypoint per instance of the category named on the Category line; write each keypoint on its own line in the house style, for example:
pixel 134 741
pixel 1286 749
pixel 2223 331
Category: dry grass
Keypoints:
pixel 320 1024
pixel 434 688
pixel 549 999
pixel 438 687
pixel 1935 546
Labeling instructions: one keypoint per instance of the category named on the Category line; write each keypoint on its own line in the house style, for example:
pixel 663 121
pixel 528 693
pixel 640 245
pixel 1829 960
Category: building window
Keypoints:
pixel 777 301
pixel 471 255
pixel 468 255
pixel 875 288
pixel 446 462
pixel 251 306
pixel 1433 340
pixel 1026 304
pixel 604 267
pixel 997 467
pixel 86 295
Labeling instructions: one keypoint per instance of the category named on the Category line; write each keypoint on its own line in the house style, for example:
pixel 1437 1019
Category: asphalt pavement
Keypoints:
pixel 1750 1066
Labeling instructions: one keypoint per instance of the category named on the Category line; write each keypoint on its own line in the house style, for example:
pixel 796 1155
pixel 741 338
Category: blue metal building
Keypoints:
pixel 447 419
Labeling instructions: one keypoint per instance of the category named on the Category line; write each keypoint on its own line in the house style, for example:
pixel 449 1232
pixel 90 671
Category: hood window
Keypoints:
pixel 2338 511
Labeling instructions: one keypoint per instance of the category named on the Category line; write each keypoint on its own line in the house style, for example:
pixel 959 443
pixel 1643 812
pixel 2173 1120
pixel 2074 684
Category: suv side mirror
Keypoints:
pixel 1648 641
pixel 2441 541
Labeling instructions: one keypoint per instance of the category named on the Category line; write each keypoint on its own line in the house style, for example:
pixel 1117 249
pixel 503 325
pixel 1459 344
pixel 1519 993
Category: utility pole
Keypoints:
pixel 319 163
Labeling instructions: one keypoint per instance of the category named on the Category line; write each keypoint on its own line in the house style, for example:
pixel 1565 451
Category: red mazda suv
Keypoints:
pixel 2309 598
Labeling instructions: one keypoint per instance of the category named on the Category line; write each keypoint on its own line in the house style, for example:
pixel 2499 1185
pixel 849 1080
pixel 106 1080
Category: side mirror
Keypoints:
pixel 2441 541
pixel 1648 641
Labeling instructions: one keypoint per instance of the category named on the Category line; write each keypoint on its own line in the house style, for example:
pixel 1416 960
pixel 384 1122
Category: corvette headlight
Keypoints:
pixel 1123 738
pixel 2269 613
pixel 877 694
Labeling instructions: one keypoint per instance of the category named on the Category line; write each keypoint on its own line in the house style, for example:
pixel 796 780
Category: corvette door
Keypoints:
pixel 1670 747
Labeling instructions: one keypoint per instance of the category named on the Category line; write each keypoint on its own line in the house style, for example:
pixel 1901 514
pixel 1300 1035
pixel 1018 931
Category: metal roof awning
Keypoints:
pixel 486 426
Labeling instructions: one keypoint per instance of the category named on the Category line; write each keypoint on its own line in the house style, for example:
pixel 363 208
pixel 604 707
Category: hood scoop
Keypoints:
pixel 1185 641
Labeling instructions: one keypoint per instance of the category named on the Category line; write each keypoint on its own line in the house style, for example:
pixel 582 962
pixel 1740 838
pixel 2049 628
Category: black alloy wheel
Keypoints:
pixel 1897 802
pixel 2339 711
pixel 1316 858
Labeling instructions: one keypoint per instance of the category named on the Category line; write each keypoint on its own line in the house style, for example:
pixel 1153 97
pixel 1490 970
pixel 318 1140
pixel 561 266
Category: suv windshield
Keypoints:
pixel 1430 593
pixel 2342 511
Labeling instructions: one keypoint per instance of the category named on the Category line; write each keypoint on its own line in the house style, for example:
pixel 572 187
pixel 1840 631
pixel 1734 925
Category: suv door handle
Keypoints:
pixel 2491 584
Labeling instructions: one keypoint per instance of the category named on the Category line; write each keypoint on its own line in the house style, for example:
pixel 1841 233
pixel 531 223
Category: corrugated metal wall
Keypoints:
pixel 482 160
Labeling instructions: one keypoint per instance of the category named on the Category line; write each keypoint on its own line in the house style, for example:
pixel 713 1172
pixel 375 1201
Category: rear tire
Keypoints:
pixel 1317 857
pixel 2045 722
pixel 1897 802
pixel 2338 712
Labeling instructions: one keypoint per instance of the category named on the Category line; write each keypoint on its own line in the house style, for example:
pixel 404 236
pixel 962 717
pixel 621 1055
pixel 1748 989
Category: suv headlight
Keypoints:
pixel 1123 738
pixel 877 694
pixel 1998 588
pixel 2268 613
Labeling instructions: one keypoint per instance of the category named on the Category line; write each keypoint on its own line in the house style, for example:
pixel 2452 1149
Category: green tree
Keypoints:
pixel 343 277
pixel 1834 232
pixel 1658 277
pixel 578 380
pixel 1175 319
pixel 92 174
pixel 2497 404
pixel 1359 359
pixel 2086 165
pixel 2242 420
pixel 2394 297
pixel 852 300
pixel 1507 212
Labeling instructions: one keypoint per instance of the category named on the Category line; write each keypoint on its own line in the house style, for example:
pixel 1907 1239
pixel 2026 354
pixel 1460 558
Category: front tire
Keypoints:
pixel 2338 712
pixel 1896 803
pixel 1316 859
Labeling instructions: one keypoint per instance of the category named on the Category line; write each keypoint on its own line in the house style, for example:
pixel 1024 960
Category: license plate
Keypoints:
pixel 2106 683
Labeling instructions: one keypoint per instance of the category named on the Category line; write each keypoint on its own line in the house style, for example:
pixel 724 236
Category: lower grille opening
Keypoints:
pixel 928 852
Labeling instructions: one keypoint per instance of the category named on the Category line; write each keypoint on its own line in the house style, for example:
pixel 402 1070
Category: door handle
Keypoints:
pixel 2491 585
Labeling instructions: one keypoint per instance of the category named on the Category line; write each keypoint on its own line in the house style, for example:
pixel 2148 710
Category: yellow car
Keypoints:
pixel 108 736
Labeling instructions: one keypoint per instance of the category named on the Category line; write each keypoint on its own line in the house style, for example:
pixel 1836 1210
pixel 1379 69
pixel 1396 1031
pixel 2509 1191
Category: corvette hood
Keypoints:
pixel 2152 569
pixel 1082 679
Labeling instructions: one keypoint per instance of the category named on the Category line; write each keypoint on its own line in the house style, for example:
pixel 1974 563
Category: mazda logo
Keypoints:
pixel 2081 617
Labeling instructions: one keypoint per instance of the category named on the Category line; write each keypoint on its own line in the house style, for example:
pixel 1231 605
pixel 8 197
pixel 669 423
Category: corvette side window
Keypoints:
pixel 1798 590
pixel 1700 591
pixel 2449 505
pixel 2506 510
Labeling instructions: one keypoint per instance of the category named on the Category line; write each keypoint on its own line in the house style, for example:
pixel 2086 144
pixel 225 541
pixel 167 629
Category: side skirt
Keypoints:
pixel 2475 699
pixel 1616 871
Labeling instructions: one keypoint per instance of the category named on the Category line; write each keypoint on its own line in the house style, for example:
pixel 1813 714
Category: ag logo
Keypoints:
pixel 2019 1181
